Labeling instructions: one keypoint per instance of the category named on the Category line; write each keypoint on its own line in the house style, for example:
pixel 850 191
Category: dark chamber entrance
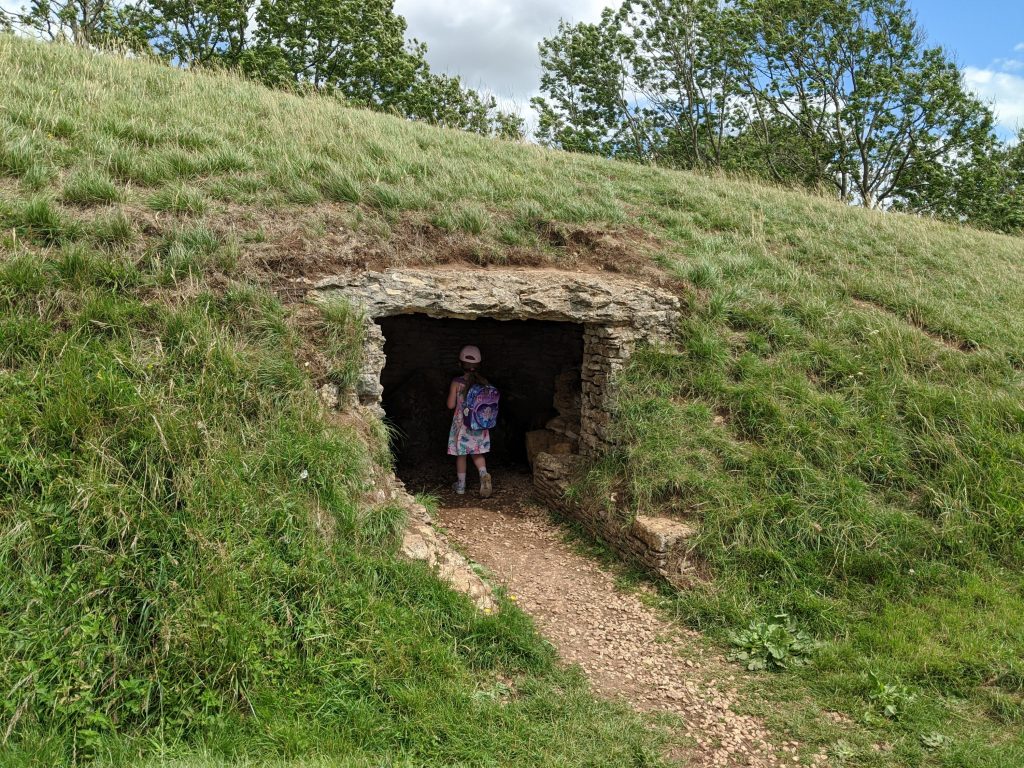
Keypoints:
pixel 522 358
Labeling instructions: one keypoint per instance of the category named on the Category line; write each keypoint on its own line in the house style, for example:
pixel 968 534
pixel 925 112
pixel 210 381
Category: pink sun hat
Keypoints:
pixel 470 354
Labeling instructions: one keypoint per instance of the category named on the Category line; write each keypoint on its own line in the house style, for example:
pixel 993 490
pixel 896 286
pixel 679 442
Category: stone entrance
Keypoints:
pixel 614 313
pixel 553 343
pixel 535 364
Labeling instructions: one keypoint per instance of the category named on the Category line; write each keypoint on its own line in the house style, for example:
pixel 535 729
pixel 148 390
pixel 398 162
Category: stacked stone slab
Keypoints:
pixel 561 435
pixel 568 404
pixel 616 314
pixel 658 544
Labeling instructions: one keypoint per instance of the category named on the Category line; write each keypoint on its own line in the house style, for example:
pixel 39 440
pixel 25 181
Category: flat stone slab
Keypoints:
pixel 661 533
pixel 508 294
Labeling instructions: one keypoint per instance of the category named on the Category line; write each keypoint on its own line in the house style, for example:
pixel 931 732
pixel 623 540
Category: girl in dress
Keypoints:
pixel 463 441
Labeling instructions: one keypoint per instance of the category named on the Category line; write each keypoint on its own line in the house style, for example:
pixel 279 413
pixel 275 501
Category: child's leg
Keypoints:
pixel 460 471
pixel 485 479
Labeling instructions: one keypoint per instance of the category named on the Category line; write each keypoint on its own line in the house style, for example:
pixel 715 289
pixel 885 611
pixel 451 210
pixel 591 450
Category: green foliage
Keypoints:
pixel 18 157
pixel 855 80
pixel 177 198
pixel 815 92
pixel 341 187
pixel 772 645
pixel 88 22
pixel 187 560
pixel 891 700
pixel 985 188
pixel 343 330
pixel 934 740
pixel 112 230
pixel 839 416
pixel 39 220
pixel 352 48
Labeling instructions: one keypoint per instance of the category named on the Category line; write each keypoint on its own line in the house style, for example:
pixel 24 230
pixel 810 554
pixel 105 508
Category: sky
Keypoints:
pixel 492 44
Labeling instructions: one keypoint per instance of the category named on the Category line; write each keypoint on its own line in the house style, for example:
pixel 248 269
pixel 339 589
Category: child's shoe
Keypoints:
pixel 459 488
pixel 485 485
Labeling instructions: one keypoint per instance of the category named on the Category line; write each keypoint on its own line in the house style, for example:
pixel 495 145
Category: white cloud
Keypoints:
pixel 492 44
pixel 1019 47
pixel 1004 90
pixel 1009 65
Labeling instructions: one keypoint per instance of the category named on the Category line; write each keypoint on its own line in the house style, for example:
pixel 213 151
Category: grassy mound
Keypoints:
pixel 188 565
pixel 843 417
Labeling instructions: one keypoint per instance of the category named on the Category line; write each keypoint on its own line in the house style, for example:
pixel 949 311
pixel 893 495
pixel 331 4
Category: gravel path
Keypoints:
pixel 625 648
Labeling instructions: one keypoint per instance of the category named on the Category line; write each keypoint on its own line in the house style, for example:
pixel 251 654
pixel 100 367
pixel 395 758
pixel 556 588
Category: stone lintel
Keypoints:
pixel 604 301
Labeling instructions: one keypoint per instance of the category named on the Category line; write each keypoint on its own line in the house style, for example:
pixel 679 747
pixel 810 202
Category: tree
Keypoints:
pixel 356 48
pixel 837 92
pixel 84 22
pixel 985 189
pixel 193 33
pixel 651 82
pixel 442 100
pixel 682 68
pixel 855 81
pixel 585 106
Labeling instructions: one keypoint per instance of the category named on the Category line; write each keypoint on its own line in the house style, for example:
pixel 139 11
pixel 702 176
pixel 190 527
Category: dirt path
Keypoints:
pixel 626 649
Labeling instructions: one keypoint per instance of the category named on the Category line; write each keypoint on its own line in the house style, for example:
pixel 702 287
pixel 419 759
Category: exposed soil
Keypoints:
pixel 294 247
pixel 625 647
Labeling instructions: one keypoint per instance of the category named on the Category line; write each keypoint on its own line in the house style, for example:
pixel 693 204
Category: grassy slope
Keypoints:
pixel 188 566
pixel 844 415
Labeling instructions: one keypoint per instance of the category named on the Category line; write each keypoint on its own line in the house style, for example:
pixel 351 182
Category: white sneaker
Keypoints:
pixel 459 489
pixel 485 485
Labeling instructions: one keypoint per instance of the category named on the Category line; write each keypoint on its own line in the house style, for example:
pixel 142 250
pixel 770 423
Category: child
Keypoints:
pixel 463 441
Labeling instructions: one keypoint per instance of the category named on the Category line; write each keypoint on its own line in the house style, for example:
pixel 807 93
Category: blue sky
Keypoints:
pixel 493 43
pixel 988 37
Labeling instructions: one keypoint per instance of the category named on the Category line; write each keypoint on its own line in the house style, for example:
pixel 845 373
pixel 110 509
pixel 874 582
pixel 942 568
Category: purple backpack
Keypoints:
pixel 480 410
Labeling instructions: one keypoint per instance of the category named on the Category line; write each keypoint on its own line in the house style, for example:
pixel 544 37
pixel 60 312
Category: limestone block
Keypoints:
pixel 567 393
pixel 601 302
pixel 661 533
pixel 538 441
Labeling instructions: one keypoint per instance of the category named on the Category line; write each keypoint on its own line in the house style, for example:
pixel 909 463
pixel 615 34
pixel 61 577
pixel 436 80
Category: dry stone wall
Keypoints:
pixel 658 544
pixel 616 314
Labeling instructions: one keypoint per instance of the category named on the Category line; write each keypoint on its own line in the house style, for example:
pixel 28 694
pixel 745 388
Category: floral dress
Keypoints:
pixel 463 441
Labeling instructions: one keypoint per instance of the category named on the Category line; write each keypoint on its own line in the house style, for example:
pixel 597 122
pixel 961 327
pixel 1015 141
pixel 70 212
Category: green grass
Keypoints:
pixel 187 562
pixel 89 186
pixel 176 198
pixel 842 416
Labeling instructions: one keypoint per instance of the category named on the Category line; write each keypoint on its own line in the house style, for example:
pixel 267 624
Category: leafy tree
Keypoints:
pixel 836 92
pixel 985 189
pixel 683 69
pixel 586 104
pixel 352 48
pixel 85 22
pixel 197 32
pixel 443 100
pixel 651 81
pixel 856 83
pixel 356 48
